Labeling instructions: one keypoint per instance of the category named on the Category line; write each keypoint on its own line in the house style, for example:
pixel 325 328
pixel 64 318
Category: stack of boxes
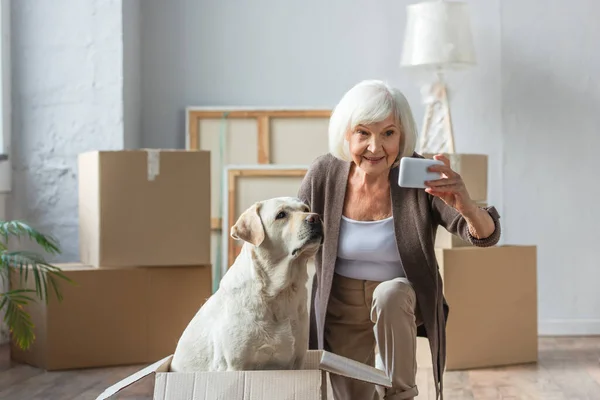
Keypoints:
pixel 492 292
pixel 144 235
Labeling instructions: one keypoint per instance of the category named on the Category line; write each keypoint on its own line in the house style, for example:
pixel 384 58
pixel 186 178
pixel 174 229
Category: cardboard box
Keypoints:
pixel 492 293
pixel 473 168
pixel 446 240
pixel 144 208
pixel 114 316
pixel 309 383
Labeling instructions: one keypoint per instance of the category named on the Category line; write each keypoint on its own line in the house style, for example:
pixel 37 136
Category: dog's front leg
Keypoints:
pixel 301 338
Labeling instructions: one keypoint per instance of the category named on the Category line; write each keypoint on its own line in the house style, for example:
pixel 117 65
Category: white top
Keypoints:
pixel 368 250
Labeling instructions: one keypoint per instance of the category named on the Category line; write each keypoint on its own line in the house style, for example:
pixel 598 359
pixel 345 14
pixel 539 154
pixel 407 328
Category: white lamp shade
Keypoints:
pixel 438 34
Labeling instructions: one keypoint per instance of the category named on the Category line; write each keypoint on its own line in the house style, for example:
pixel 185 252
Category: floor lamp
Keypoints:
pixel 437 38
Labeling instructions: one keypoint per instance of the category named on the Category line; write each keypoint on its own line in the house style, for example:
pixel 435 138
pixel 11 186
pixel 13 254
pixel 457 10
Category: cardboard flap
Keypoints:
pixel 161 365
pixel 353 369
pixel 239 385
pixel 312 360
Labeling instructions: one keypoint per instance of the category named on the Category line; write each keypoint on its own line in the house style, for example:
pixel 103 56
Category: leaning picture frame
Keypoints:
pixel 233 174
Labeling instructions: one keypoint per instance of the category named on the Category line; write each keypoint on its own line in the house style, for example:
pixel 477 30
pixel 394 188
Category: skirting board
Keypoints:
pixel 225 198
pixel 569 327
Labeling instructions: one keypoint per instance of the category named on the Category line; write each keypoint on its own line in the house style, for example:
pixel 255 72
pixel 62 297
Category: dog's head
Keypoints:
pixel 281 227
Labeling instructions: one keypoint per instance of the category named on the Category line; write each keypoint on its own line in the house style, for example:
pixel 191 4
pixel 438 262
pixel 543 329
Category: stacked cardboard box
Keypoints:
pixel 492 292
pixel 144 235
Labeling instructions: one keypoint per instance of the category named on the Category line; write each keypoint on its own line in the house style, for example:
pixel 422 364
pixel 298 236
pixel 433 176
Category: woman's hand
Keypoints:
pixel 450 187
pixel 452 190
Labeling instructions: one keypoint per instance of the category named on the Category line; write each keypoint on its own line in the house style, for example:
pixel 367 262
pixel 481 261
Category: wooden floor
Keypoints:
pixel 568 369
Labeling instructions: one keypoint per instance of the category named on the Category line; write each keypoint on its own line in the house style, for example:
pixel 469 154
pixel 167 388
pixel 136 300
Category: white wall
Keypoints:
pixel 5 133
pixel 551 124
pixel 67 66
pixel 74 88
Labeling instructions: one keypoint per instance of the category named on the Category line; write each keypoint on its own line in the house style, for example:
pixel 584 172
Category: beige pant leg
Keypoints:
pixel 349 333
pixel 393 312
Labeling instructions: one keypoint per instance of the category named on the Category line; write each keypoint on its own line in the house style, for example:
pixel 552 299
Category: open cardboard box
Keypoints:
pixel 309 383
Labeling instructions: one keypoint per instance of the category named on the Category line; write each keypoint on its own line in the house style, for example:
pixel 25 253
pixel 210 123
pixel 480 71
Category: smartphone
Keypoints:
pixel 413 172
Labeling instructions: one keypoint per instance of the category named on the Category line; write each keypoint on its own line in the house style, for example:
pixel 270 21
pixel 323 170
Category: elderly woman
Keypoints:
pixel 377 281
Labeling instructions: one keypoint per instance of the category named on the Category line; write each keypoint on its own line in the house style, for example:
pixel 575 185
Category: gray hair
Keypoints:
pixel 367 102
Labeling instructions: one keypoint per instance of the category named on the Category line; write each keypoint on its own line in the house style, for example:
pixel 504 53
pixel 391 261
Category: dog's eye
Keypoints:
pixel 281 215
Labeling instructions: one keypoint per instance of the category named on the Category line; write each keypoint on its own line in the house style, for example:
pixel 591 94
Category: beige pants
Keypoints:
pixel 362 314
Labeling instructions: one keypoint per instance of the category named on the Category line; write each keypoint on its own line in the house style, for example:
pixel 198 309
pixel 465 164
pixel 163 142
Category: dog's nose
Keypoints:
pixel 313 218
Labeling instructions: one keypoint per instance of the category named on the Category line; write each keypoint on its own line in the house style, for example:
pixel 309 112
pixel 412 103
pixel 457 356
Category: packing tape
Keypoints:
pixel 153 161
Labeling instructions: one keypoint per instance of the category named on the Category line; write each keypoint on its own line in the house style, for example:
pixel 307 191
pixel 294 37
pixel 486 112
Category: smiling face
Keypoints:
pixel 375 147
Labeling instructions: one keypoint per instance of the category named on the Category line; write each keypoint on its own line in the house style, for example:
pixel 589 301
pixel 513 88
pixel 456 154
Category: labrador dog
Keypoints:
pixel 258 318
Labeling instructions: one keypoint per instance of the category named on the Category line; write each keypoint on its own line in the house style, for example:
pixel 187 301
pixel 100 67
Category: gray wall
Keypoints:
pixel 550 103
pixel 528 104
pixel 132 77
pixel 264 53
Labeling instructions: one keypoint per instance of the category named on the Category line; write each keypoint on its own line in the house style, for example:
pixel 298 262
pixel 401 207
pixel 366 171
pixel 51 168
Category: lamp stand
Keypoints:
pixel 437 133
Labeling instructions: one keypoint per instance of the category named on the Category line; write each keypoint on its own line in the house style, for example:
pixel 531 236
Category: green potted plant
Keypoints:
pixel 22 263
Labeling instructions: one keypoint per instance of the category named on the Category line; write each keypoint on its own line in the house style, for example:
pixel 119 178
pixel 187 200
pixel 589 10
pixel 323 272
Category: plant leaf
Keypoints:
pixel 44 274
pixel 20 229
pixel 16 318
pixel 42 271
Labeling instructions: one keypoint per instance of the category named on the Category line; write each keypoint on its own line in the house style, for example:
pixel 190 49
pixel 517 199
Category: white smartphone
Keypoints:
pixel 413 172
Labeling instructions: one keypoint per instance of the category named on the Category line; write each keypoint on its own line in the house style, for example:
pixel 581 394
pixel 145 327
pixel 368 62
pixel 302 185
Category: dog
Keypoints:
pixel 258 317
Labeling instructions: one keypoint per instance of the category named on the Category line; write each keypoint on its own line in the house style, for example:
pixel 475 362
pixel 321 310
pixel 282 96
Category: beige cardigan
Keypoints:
pixel 416 217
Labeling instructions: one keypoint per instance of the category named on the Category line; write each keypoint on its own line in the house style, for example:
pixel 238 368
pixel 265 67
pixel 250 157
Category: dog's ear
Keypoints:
pixel 249 227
